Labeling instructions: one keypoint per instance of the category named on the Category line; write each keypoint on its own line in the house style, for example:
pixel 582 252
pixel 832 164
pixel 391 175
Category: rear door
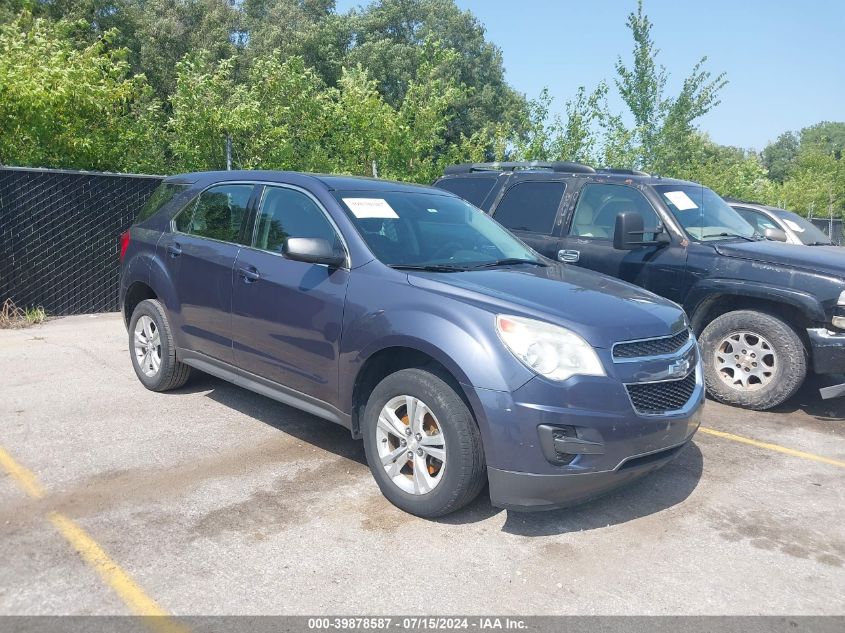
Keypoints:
pixel 287 315
pixel 530 210
pixel 588 240
pixel 200 254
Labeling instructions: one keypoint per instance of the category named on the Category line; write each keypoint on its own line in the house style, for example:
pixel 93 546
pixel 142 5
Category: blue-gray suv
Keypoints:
pixel 457 353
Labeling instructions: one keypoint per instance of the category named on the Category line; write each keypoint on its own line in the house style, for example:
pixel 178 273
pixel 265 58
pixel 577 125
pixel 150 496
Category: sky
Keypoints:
pixel 785 60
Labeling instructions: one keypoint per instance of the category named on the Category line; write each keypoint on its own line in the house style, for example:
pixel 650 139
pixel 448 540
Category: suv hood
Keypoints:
pixel 819 259
pixel 599 308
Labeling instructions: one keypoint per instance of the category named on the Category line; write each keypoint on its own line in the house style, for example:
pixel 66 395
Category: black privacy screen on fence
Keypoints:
pixel 59 233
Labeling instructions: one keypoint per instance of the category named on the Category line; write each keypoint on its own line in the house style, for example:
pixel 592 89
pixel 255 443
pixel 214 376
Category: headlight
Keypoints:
pixel 841 301
pixel 549 350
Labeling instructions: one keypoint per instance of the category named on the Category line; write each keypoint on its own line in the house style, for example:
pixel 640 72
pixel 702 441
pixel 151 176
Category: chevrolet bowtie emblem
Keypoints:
pixel 679 368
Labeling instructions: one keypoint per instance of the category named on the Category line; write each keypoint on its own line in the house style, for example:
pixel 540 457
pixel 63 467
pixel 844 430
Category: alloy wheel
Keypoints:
pixel 411 445
pixel 147 346
pixel 745 361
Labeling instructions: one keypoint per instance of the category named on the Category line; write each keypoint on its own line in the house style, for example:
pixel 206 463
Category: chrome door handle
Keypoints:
pixel 568 256
pixel 249 274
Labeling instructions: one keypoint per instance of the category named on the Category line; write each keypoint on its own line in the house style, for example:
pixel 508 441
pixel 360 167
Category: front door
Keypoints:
pixel 200 254
pixel 287 315
pixel 588 241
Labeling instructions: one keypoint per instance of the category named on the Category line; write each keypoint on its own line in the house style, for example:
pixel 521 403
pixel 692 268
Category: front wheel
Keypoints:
pixel 752 359
pixel 422 444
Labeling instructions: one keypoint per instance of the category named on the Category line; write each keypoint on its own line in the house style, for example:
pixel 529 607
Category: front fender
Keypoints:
pixel 708 290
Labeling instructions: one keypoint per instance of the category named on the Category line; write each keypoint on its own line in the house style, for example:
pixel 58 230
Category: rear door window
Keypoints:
pixel 531 206
pixel 473 190
pixel 218 214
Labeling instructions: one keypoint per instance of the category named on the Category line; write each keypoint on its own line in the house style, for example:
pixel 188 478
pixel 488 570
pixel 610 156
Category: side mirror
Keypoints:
pixel 312 250
pixel 629 232
pixel 776 235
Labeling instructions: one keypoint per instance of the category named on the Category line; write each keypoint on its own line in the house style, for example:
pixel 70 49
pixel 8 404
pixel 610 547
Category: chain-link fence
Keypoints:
pixel 833 228
pixel 58 236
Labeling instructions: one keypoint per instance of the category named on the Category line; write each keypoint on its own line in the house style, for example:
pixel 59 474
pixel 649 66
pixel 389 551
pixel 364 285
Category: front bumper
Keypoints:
pixel 553 445
pixel 828 350
pixel 528 491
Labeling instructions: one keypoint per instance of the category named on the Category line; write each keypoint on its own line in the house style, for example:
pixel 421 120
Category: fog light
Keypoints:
pixel 839 321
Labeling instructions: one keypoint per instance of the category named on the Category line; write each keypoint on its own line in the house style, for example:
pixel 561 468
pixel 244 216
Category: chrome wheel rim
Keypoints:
pixel 147 346
pixel 746 361
pixel 411 445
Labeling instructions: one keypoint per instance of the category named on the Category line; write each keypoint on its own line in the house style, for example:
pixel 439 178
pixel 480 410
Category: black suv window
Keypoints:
pixel 531 206
pixel 218 213
pixel 285 213
pixel 473 190
pixel 599 204
pixel 160 197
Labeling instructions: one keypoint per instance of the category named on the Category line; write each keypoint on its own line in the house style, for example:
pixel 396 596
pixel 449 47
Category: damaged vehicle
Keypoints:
pixel 455 352
pixel 765 312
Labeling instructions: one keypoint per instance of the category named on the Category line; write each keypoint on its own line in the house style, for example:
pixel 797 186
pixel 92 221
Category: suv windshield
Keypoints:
pixel 703 214
pixel 807 232
pixel 419 229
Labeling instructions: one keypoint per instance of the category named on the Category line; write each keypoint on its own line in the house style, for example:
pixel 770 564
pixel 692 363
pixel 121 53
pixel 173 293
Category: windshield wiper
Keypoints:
pixel 511 261
pixel 726 234
pixel 432 268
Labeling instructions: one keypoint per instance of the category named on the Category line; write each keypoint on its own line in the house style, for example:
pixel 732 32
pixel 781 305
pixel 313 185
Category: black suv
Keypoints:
pixel 765 311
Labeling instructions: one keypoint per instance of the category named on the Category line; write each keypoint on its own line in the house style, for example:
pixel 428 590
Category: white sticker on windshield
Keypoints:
pixel 795 227
pixel 370 208
pixel 681 200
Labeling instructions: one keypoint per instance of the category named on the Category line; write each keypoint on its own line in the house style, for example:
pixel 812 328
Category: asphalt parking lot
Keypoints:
pixel 214 500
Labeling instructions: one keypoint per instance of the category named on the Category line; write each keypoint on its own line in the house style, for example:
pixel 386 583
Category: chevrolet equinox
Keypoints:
pixel 457 353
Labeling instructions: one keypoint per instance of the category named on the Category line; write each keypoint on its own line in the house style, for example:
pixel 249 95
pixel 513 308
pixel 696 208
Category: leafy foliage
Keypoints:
pixel 400 88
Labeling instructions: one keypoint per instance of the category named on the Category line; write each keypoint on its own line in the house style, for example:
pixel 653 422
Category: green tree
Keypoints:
pixel 69 105
pixel 389 37
pixel 779 157
pixel 662 125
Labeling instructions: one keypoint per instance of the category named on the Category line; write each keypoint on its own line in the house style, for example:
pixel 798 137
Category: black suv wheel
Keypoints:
pixel 752 359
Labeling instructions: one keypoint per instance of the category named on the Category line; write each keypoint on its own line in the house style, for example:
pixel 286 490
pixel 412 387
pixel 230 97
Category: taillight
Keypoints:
pixel 123 244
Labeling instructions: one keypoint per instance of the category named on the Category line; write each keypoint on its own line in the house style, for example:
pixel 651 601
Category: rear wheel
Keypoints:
pixel 152 349
pixel 422 444
pixel 752 359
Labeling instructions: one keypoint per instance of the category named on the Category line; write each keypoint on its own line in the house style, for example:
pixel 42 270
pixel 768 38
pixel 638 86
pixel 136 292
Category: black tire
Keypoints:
pixel 789 359
pixel 171 373
pixel 464 473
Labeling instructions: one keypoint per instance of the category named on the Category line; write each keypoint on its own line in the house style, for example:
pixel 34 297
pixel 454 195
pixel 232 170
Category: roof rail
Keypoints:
pixel 622 172
pixel 557 166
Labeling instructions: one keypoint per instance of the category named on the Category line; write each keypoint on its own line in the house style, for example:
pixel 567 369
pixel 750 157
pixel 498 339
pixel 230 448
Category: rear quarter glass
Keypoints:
pixel 160 197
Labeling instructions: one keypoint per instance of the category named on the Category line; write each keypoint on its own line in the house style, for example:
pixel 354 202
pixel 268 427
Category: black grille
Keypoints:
pixel 59 233
pixel 660 397
pixel 651 347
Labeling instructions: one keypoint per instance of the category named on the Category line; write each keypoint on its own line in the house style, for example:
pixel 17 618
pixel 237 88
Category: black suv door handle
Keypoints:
pixel 249 274
pixel 174 249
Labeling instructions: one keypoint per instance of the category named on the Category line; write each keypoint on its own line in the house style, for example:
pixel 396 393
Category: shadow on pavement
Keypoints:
pixel 810 401
pixel 655 492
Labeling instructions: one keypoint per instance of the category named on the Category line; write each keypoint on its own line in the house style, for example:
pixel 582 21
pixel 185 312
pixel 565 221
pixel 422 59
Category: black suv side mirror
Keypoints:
pixel 629 232
pixel 775 234
pixel 312 250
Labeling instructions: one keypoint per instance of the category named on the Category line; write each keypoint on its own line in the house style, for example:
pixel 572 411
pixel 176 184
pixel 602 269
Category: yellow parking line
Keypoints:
pixel 25 478
pixel 122 584
pixel 773 447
